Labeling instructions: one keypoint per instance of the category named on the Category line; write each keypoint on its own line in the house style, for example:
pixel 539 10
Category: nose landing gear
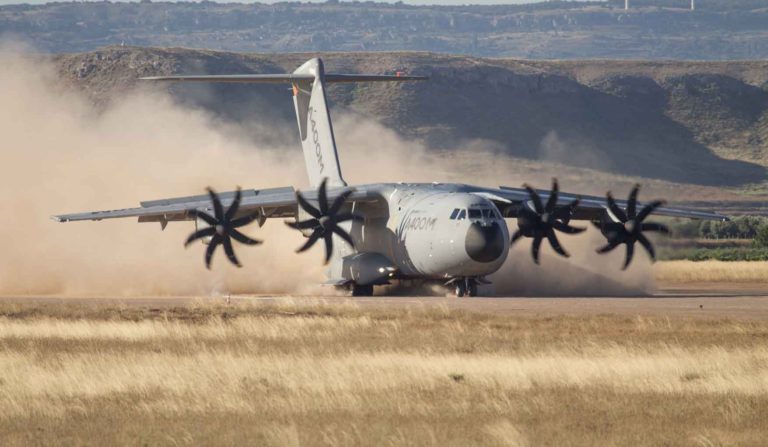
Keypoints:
pixel 465 287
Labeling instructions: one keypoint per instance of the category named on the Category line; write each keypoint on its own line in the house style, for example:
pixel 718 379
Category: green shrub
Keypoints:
pixel 761 238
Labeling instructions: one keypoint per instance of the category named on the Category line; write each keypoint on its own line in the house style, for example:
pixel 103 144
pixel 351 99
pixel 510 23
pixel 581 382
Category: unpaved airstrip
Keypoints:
pixel 687 365
pixel 739 301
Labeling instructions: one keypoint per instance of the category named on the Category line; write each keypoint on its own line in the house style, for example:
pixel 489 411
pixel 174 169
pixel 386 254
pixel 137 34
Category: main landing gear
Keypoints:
pixel 465 287
pixel 360 290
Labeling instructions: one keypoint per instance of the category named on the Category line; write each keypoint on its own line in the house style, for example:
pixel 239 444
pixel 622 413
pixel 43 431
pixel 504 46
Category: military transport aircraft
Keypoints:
pixel 377 233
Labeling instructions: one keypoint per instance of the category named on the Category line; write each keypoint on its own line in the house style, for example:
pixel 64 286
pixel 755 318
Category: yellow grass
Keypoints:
pixel 711 271
pixel 323 375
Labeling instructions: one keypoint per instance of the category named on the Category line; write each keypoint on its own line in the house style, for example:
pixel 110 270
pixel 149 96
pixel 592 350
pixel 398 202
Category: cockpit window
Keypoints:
pixel 475 213
pixel 462 215
pixel 488 213
pixel 454 213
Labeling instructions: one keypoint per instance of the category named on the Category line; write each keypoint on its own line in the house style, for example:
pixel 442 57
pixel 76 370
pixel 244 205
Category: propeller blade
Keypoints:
pixel 207 218
pixel 227 242
pixel 518 234
pixel 632 202
pixel 620 233
pixel 304 224
pixel 218 210
pixel 339 202
pixel 199 234
pixel 647 245
pixel 630 254
pixel 326 219
pixel 311 241
pixel 565 213
pixel 553 195
pixel 234 206
pixel 223 227
pixel 616 209
pixel 651 226
pixel 651 207
pixel 308 207
pixel 565 228
pixel 322 197
pixel 328 236
pixel 243 239
pixel 535 247
pixel 344 235
pixel 608 247
pixel 556 244
pixel 538 207
pixel 215 241
pixel 243 221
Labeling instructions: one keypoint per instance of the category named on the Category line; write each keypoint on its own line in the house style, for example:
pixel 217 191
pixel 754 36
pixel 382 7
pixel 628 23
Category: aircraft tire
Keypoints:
pixel 360 290
pixel 460 289
pixel 472 289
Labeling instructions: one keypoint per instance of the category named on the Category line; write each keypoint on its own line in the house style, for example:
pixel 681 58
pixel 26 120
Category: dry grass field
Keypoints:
pixel 309 373
pixel 677 272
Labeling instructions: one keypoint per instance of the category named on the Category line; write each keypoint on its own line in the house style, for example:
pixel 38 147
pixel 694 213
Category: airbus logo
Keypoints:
pixel 316 140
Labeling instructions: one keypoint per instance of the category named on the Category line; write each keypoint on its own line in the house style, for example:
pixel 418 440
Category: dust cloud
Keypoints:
pixel 60 155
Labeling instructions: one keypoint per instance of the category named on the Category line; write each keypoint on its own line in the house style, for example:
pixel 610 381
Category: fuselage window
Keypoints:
pixel 454 213
pixel 475 213
pixel 462 214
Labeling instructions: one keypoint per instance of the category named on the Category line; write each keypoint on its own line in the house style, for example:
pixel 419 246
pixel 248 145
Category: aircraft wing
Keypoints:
pixel 273 202
pixel 590 207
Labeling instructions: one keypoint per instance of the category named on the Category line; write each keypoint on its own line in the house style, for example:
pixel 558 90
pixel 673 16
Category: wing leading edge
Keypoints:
pixel 273 202
pixel 592 207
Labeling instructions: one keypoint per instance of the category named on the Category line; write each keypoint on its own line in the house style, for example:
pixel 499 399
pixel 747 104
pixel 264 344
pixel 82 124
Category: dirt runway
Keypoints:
pixel 705 300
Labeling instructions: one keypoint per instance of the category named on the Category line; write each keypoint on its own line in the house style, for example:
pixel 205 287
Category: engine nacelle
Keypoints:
pixel 368 269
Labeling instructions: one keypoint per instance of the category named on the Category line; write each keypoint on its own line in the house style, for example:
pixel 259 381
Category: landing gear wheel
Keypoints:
pixel 472 289
pixel 359 290
pixel 465 287
pixel 460 289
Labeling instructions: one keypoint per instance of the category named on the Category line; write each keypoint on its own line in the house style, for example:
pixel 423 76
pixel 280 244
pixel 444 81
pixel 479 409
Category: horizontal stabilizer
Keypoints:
pixel 284 78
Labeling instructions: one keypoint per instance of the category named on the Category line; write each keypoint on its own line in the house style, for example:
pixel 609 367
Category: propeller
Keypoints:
pixel 222 228
pixel 620 227
pixel 324 222
pixel 542 221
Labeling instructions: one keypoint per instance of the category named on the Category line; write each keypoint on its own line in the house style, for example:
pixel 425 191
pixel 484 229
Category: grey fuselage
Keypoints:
pixel 429 231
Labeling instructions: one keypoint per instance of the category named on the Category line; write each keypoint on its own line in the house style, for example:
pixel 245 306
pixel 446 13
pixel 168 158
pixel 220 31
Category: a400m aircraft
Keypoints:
pixel 377 233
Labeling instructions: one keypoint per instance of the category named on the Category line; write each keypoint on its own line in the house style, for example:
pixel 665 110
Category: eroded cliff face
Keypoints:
pixel 704 123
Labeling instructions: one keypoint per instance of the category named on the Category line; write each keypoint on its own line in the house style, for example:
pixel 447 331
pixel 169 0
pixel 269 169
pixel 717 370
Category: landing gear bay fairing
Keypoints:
pixel 378 233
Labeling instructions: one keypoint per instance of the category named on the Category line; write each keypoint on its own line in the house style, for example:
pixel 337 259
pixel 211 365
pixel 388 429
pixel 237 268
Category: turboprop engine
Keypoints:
pixel 368 268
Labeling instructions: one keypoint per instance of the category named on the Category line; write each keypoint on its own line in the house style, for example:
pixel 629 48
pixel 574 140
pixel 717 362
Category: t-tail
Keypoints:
pixel 315 129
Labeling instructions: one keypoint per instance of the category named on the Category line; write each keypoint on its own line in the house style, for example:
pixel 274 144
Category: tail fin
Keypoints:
pixel 315 127
pixel 312 114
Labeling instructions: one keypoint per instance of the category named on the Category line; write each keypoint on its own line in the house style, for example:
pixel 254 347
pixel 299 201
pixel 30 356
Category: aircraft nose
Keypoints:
pixel 485 243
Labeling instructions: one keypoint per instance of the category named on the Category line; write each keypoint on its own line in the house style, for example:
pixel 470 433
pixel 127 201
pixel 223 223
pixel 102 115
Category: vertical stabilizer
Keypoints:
pixel 315 127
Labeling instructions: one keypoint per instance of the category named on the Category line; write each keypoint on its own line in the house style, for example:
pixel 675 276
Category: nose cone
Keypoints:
pixel 485 243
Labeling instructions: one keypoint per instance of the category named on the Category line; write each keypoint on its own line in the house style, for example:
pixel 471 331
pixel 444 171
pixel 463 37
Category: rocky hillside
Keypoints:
pixel 690 122
pixel 651 29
